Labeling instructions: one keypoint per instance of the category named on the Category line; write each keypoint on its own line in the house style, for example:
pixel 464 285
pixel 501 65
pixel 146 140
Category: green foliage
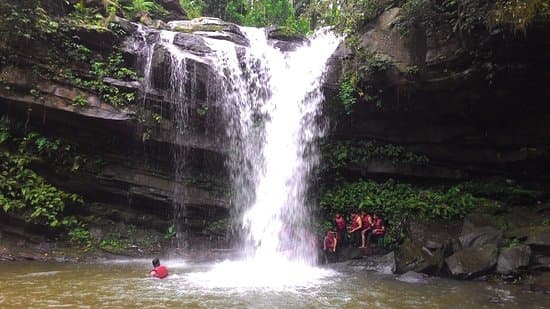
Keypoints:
pixel 20 24
pixel 113 68
pixel 347 92
pixel 80 100
pixel 398 202
pixel 141 6
pixel 193 8
pixel 218 226
pixel 79 234
pixel 24 192
pixel 354 14
pixel 345 153
pixel 113 244
pixel 52 149
pixel 261 13
pixel 170 232
pixel 501 190
pixel 202 110
pixel 518 14
pixel 467 15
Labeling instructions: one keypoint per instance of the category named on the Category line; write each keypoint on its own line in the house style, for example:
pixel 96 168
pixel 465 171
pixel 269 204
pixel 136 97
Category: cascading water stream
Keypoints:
pixel 270 101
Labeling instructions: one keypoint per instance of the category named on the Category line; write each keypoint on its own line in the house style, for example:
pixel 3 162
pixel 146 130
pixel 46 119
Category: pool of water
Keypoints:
pixel 125 284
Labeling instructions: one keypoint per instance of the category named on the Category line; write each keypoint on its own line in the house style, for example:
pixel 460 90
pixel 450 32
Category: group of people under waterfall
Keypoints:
pixel 363 230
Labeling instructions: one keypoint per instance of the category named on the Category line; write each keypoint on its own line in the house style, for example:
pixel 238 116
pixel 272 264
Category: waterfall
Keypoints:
pixel 270 108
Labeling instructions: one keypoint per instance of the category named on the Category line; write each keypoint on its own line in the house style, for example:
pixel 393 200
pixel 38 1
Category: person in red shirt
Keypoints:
pixel 159 271
pixel 355 230
pixel 378 229
pixel 329 246
pixel 368 222
pixel 341 231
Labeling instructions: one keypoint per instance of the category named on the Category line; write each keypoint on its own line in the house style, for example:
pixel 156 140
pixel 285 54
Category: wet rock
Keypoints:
pixel 382 39
pixel 94 36
pixel 210 27
pixel 380 263
pixel 413 277
pixel 472 262
pixel 192 43
pixel 510 260
pixel 478 237
pixel 285 39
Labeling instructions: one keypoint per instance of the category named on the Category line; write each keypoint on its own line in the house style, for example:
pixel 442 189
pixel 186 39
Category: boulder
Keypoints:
pixel 385 264
pixel 418 258
pixel 382 39
pixel 481 236
pixel 192 43
pixel 477 220
pixel 472 262
pixel 510 260
pixel 210 27
pixel 285 39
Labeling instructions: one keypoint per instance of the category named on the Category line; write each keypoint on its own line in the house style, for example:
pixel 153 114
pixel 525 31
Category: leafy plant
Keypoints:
pixel 80 100
pixel 347 93
pixel 193 8
pixel 344 154
pixel 142 6
pixel 170 232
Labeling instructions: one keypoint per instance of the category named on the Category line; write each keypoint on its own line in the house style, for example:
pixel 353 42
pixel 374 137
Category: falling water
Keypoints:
pixel 272 104
pixel 270 101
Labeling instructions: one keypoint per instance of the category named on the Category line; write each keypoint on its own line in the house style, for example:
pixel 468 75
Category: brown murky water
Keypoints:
pixel 124 284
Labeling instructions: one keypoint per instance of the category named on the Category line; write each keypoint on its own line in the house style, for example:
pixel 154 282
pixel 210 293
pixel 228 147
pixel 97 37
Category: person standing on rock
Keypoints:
pixel 329 246
pixel 355 231
pixel 368 222
pixel 378 229
pixel 159 271
pixel 340 226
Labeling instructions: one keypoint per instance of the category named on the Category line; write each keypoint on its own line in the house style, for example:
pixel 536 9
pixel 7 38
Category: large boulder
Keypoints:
pixel 414 257
pixel 382 39
pixel 385 264
pixel 472 262
pixel 192 43
pixel 481 236
pixel 210 27
pixel 427 245
pixel 513 259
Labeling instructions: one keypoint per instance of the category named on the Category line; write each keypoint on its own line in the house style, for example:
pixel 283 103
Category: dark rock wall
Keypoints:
pixel 474 104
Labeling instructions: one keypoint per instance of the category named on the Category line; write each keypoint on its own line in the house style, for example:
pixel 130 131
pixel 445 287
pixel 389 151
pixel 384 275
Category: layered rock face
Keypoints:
pixel 472 103
pixel 146 156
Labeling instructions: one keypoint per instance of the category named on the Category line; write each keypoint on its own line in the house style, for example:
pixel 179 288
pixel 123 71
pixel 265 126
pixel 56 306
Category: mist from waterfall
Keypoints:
pixel 270 101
